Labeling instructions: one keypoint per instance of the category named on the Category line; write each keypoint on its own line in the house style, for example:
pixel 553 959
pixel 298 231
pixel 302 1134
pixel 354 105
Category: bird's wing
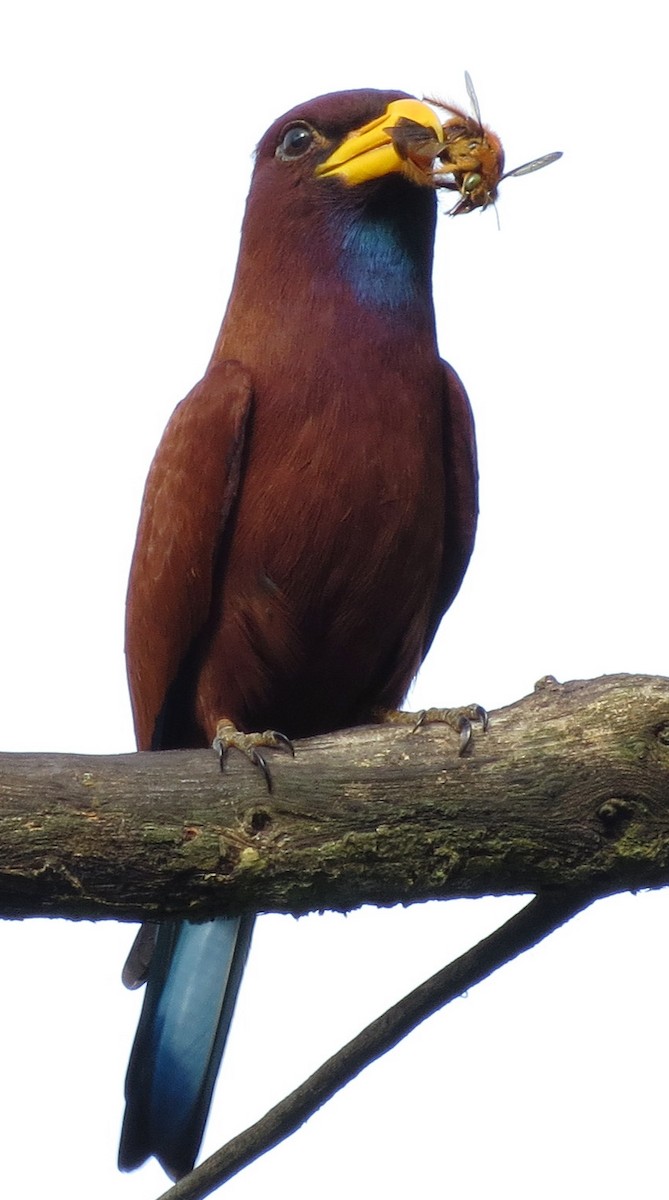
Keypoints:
pixel 461 494
pixel 187 502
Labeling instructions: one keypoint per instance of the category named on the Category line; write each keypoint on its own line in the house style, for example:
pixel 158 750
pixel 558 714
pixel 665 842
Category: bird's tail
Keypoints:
pixel 191 990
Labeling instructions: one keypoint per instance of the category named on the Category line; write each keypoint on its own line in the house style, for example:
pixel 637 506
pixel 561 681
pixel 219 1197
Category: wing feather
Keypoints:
pixel 190 492
pixel 461 494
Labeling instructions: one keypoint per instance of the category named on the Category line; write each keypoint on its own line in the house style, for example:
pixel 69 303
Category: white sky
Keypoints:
pixel 127 135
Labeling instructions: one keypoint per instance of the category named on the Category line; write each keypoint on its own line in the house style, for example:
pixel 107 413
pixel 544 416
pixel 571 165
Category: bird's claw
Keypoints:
pixel 465 729
pixel 478 716
pixel 282 740
pixel 462 720
pixel 228 737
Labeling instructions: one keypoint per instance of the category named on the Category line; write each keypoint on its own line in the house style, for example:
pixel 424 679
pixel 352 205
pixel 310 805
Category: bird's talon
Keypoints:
pixel 260 761
pixel 283 741
pixel 421 719
pixel 482 717
pixel 228 737
pixel 461 719
pixel 465 730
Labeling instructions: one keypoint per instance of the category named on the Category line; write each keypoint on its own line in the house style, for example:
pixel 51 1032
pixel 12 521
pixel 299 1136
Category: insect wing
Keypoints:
pixel 536 164
pixel 473 98
pixel 409 136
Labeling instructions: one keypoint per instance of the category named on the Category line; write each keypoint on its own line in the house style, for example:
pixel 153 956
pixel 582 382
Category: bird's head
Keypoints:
pixel 343 189
pixel 351 139
pixel 341 211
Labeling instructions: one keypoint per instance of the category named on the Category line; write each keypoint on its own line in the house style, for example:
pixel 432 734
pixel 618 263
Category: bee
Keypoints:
pixel 473 155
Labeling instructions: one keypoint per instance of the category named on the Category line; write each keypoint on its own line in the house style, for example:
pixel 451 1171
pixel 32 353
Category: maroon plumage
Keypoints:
pixel 311 509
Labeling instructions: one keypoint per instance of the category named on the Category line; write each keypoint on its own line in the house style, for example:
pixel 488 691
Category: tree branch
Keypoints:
pixel 568 788
pixel 566 795
pixel 539 918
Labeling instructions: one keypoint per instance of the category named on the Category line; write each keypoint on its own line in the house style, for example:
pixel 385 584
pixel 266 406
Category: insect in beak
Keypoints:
pixel 472 157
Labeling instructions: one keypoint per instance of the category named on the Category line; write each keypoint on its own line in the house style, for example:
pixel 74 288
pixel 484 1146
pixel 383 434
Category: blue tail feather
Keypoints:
pixel 190 997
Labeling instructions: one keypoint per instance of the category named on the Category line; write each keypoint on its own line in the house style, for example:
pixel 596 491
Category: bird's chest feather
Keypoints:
pixel 324 596
pixel 338 535
pixel 327 583
pixel 343 480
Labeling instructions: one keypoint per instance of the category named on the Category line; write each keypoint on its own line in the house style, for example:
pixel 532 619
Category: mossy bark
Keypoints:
pixel 569 788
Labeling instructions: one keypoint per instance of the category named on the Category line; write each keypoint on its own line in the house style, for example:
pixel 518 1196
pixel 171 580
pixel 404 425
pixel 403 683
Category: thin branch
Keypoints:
pixel 540 917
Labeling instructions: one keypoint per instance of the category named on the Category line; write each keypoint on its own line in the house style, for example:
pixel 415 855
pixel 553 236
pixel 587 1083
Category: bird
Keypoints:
pixel 306 522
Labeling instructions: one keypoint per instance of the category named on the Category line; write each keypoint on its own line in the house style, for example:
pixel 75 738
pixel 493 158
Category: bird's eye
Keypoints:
pixel 296 141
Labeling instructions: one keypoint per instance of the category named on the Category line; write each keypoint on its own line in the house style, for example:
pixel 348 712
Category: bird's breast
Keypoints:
pixel 326 586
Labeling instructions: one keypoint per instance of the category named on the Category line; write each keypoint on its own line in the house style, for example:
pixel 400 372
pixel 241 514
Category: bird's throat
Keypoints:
pixel 381 268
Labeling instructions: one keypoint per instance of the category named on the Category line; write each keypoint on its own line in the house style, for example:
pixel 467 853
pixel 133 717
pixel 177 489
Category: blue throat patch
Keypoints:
pixel 383 270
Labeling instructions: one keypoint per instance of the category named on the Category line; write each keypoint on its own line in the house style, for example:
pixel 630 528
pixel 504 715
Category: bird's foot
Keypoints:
pixel 228 737
pixel 461 719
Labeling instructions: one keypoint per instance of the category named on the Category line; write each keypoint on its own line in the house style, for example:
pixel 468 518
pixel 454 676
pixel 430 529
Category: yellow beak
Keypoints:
pixel 371 151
